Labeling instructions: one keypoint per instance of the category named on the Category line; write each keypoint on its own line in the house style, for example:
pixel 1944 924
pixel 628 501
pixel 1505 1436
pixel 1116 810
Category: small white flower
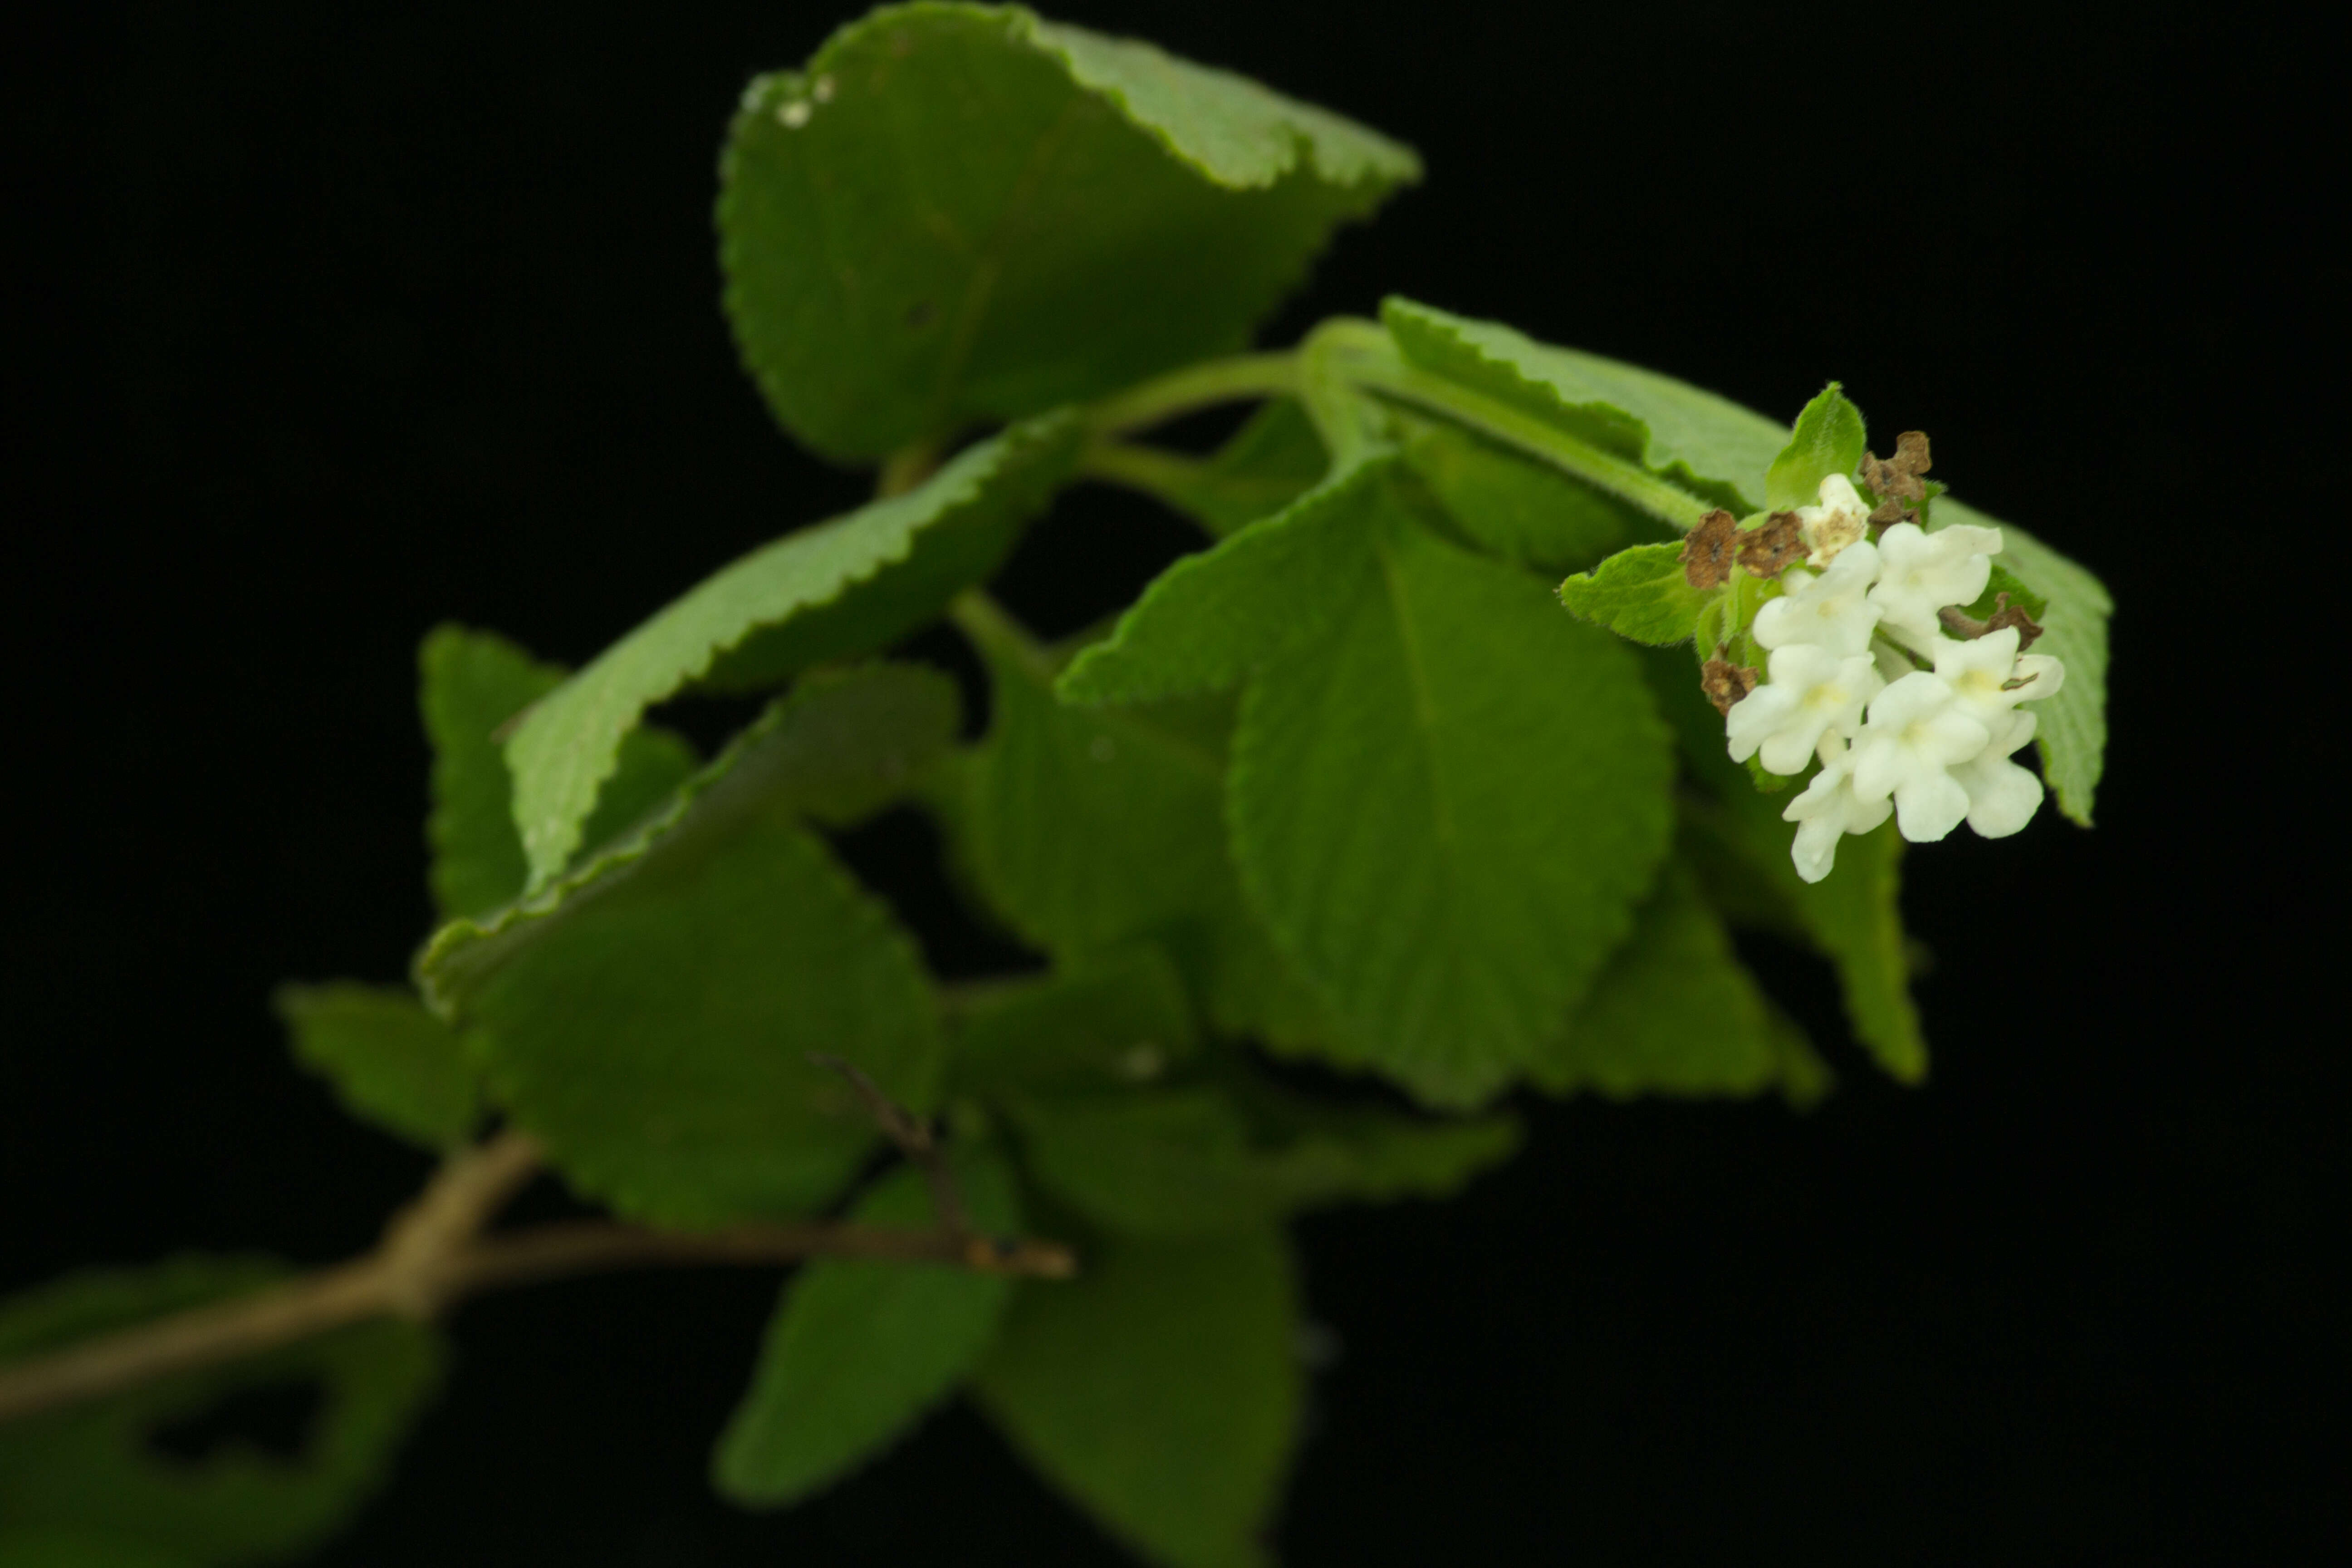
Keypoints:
pixel 1842 519
pixel 1827 811
pixel 1922 572
pixel 1915 731
pixel 1989 678
pixel 2002 796
pixel 1832 611
pixel 1809 692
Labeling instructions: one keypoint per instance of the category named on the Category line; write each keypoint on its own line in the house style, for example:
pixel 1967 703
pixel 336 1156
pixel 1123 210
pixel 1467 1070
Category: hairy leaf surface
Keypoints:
pixel 1090 828
pixel 1678 1013
pixel 1211 618
pixel 842 587
pixel 649 1016
pixel 1160 1392
pixel 1446 807
pixel 91 1468
pixel 391 1062
pixel 858 1353
pixel 961 213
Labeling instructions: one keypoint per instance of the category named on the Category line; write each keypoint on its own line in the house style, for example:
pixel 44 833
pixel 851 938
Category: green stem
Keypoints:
pixel 992 629
pixel 1385 373
pixel 1196 387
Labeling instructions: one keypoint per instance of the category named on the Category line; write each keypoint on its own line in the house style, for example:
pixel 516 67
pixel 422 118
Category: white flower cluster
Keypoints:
pixel 1931 747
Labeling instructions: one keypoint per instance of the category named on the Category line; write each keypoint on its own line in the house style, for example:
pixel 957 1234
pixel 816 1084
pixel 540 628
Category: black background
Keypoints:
pixel 343 320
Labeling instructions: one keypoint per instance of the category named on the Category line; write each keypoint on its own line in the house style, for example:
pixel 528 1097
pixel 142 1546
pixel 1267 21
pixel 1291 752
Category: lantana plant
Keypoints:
pixel 1445 766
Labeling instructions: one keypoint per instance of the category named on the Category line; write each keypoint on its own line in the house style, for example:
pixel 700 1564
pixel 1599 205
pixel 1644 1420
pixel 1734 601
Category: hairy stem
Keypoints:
pixel 1196 387
pixel 992 628
pixel 432 1256
pixel 1391 377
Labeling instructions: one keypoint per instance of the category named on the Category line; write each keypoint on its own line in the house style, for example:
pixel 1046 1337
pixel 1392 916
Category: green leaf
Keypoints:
pixel 1160 1390
pixel 958 214
pixel 860 1353
pixel 1516 508
pixel 1119 1019
pixel 1675 1013
pixel 1210 618
pixel 1444 807
pixel 1641 593
pixel 91 1468
pixel 1269 463
pixel 1853 917
pixel 1708 445
pixel 2072 731
pixel 649 1016
pixel 842 587
pixel 1091 828
pixel 472 683
pixel 1203 1159
pixel 392 1063
pixel 1828 441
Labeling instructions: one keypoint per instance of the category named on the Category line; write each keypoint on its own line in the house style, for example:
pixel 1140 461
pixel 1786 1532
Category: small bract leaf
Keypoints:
pixel 1160 1390
pixel 1447 846
pixel 648 1017
pixel 1641 593
pixel 391 1062
pixel 842 587
pixel 472 684
pixel 95 1467
pixel 1211 618
pixel 2072 733
pixel 961 213
pixel 858 1353
pixel 1517 508
pixel 1829 440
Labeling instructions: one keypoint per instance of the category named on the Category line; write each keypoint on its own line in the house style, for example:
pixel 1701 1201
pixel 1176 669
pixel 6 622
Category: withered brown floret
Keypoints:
pixel 1725 682
pixel 1778 544
pixel 1895 481
pixel 1709 550
pixel 2004 614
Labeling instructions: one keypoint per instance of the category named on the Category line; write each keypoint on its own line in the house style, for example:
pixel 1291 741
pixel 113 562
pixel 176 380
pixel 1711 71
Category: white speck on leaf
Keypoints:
pixel 823 91
pixel 794 115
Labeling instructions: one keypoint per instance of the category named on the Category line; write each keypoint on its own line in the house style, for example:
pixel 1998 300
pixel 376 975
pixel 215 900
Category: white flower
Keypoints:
pixel 2002 796
pixel 1843 518
pixel 1827 812
pixel 1989 678
pixel 1915 731
pixel 1809 692
pixel 1832 611
pixel 1921 572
